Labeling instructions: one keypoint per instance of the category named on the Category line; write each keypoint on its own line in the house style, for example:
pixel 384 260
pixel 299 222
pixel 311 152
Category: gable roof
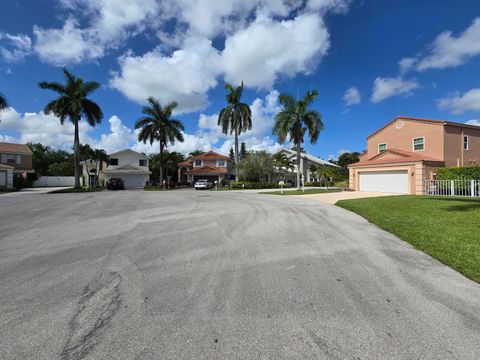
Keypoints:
pixel 143 156
pixel 312 158
pixel 401 156
pixel 425 121
pixel 15 148
pixel 208 169
pixel 210 155
pixel 185 164
pixel 129 168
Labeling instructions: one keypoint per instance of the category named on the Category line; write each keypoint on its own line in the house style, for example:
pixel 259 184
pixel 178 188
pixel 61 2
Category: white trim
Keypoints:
pixel 378 147
pixel 413 143
pixel 468 142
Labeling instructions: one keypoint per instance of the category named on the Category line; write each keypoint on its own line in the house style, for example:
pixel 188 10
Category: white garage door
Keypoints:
pixel 3 178
pixel 384 181
pixel 133 181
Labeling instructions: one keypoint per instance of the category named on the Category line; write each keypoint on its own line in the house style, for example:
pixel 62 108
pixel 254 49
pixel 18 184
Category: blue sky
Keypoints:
pixel 370 61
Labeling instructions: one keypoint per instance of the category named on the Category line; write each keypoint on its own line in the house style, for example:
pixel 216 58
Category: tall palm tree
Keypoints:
pixel 295 120
pixel 100 157
pixel 74 104
pixel 235 118
pixel 3 102
pixel 157 124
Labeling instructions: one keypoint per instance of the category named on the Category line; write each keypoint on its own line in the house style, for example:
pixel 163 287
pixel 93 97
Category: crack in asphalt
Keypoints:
pixel 97 306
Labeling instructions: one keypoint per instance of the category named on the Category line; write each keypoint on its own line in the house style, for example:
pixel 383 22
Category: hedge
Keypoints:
pixel 459 173
pixel 256 185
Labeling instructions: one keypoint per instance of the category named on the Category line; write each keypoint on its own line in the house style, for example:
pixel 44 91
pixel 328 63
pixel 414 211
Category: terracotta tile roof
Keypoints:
pixel 185 164
pixel 5 167
pixel 403 157
pixel 208 169
pixel 428 121
pixel 211 155
pixel 14 148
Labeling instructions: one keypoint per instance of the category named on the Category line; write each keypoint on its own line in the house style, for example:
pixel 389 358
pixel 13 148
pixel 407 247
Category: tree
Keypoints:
pixel 325 172
pixel 169 160
pixel 295 120
pixel 43 156
pixel 257 166
pixel 3 102
pixel 196 153
pixel 243 151
pixel 64 168
pixel 235 118
pixel 74 104
pixel 100 157
pixel 86 153
pixel 231 155
pixel 347 158
pixel 158 125
pixel 282 162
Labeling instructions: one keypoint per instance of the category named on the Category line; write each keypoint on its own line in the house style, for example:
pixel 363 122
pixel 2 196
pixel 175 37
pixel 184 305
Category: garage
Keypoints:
pixel 133 181
pixel 384 181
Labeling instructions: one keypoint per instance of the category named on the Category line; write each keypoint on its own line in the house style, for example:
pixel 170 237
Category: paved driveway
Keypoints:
pixel 205 275
pixel 332 198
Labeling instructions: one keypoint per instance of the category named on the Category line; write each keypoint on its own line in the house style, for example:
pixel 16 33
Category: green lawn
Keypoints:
pixel 447 229
pixel 300 192
pixel 81 190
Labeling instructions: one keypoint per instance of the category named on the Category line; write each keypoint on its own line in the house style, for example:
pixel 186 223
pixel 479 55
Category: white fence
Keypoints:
pixel 453 187
pixel 47 181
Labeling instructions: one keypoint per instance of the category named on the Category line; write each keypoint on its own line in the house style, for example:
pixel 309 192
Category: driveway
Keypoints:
pixel 332 198
pixel 220 275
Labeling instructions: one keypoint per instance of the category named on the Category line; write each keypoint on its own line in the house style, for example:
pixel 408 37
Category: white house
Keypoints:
pixel 130 166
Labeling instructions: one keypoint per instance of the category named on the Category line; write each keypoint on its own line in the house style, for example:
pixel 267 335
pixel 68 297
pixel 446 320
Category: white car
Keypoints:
pixel 203 184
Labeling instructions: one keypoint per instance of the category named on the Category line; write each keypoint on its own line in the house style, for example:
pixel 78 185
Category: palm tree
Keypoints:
pixel 3 102
pixel 281 161
pixel 325 172
pixel 100 157
pixel 235 118
pixel 74 105
pixel 157 124
pixel 295 119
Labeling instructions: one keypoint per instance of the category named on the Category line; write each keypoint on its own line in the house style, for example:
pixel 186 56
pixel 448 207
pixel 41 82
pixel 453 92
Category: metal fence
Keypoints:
pixel 453 187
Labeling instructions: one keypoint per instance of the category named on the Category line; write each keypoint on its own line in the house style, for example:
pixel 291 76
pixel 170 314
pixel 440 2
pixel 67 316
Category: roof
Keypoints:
pixel 185 164
pixel 208 169
pixel 210 155
pixel 143 156
pixel 126 169
pixel 426 121
pixel 401 157
pixel 15 148
pixel 311 158
pixel 6 167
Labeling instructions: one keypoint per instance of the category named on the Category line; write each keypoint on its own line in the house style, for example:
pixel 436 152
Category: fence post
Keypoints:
pixel 452 187
pixel 472 188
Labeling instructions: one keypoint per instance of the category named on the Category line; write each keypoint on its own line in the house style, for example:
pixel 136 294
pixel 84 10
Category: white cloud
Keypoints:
pixel 384 88
pixel 258 55
pixel 14 48
pixel 449 51
pixel 208 121
pixel 457 103
pixel 406 64
pixel 352 96
pixel 474 122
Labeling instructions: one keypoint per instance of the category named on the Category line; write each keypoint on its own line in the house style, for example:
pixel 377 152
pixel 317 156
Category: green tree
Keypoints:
pixel 327 173
pixel 64 168
pixel 196 153
pixel 282 163
pixel 99 156
pixel 243 151
pixel 43 156
pixel 257 166
pixel 86 154
pixel 295 120
pixel 3 102
pixel 169 160
pixel 347 158
pixel 74 104
pixel 157 124
pixel 231 155
pixel 235 118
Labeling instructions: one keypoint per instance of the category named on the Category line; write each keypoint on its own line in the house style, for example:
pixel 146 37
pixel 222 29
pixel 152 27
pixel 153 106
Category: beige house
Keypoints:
pixel 15 159
pixel 209 165
pixel 407 151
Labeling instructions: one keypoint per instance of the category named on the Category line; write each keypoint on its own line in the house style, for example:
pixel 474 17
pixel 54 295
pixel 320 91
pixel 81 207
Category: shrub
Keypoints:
pixel 256 185
pixel 459 173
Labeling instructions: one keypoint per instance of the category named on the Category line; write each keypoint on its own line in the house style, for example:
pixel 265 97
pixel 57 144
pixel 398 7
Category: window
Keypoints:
pixel 11 159
pixel 142 162
pixel 382 147
pixel 465 143
pixel 221 163
pixel 113 161
pixel 419 144
pixel 198 162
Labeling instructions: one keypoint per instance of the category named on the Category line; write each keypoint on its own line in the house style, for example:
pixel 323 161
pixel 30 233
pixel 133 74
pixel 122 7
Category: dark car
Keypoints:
pixel 115 184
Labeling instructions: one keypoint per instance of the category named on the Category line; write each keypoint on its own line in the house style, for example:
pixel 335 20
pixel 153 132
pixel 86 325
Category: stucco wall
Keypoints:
pixel 471 157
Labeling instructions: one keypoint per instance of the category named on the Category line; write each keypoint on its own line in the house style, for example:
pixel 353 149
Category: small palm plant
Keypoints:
pixel 157 125
pixel 326 173
pixel 100 157
pixel 295 120
pixel 235 118
pixel 74 104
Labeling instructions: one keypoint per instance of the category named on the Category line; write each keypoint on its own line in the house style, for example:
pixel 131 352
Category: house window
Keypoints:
pixel 11 159
pixel 113 162
pixel 382 147
pixel 419 144
pixel 198 162
pixel 142 162
pixel 465 143
pixel 221 163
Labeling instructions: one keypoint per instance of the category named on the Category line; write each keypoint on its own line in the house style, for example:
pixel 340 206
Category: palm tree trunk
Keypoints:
pixel 237 157
pixel 160 162
pixel 76 155
pixel 298 165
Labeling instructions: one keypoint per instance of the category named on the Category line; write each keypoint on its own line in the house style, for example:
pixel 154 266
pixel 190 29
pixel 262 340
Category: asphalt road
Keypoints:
pixel 205 275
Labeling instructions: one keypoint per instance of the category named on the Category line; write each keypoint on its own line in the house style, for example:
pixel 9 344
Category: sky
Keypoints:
pixel 370 60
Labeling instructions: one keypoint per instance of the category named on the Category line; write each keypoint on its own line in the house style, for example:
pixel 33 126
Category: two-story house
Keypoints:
pixel 407 151
pixel 130 166
pixel 209 165
pixel 15 159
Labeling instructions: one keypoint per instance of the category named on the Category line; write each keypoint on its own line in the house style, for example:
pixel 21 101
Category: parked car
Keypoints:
pixel 203 184
pixel 115 184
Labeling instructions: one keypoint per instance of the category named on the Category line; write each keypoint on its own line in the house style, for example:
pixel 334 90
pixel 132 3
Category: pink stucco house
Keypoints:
pixel 407 151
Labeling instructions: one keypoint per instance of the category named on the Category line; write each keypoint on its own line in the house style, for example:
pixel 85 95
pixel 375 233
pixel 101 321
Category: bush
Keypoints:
pixel 313 183
pixel 256 185
pixel 459 173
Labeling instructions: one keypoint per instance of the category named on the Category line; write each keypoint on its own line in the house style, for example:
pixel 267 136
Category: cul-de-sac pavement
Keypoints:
pixel 220 275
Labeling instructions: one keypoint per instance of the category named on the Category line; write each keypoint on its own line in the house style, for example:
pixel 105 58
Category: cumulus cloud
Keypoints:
pixel 474 122
pixel 352 96
pixel 458 103
pixel 384 88
pixel 14 48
